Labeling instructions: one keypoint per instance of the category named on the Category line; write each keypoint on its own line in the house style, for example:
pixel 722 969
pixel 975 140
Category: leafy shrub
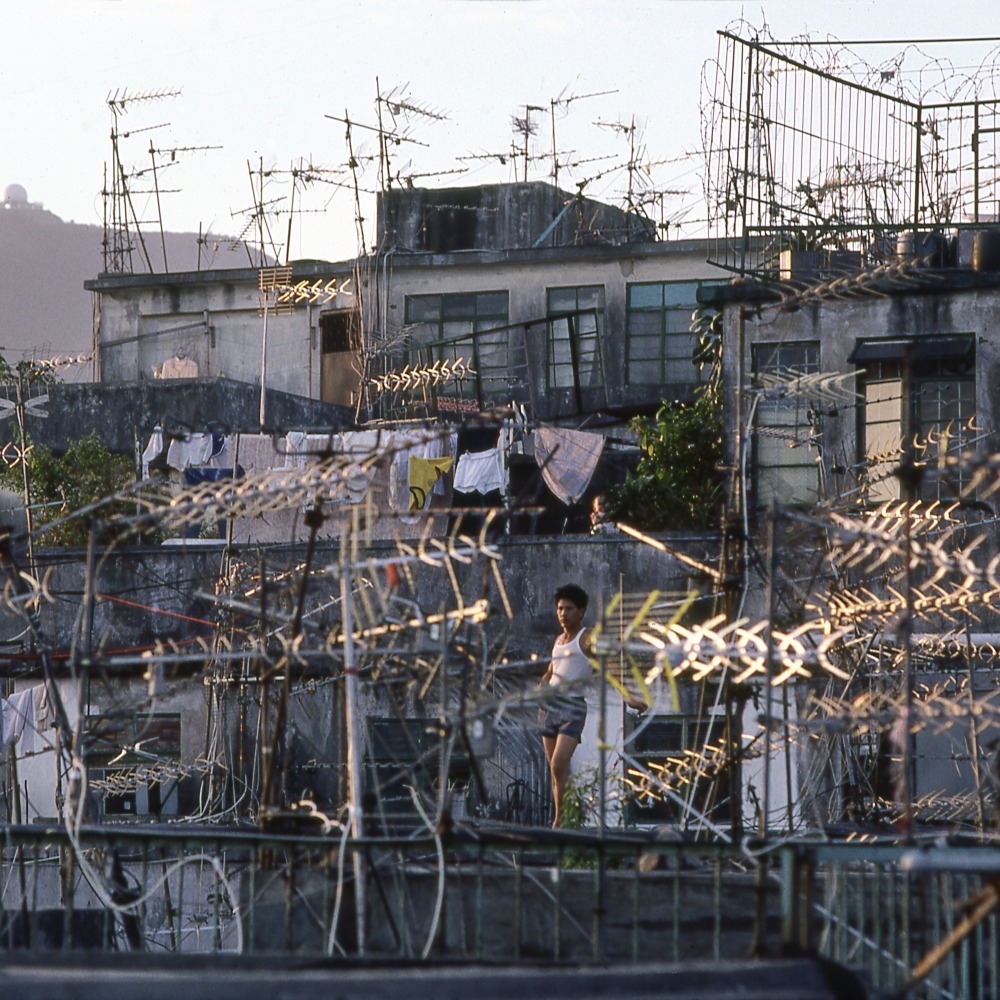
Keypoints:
pixel 58 485
pixel 677 484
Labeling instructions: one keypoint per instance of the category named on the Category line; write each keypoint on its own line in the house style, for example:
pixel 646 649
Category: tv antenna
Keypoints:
pixel 526 128
pixel 172 153
pixel 398 106
pixel 258 216
pixel 302 175
pixel 120 217
pixel 563 104
pixel 636 152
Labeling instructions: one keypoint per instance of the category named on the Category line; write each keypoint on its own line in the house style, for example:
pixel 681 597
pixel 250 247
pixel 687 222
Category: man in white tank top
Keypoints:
pixel 562 716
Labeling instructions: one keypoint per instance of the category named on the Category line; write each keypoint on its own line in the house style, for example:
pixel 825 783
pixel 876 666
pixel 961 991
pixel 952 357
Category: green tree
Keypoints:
pixel 677 484
pixel 60 484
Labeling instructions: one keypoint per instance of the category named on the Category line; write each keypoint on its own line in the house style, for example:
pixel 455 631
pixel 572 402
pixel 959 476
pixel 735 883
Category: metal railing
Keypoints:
pixel 503 895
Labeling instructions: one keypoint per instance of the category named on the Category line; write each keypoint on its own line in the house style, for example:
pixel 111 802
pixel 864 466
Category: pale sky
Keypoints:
pixel 259 78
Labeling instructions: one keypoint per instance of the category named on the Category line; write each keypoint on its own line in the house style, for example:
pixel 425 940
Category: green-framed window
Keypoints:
pixel 658 341
pixel 449 327
pixel 576 320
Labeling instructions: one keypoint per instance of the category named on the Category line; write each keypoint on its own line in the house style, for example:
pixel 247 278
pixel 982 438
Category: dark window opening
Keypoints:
pixel 452 225
pixel 337 331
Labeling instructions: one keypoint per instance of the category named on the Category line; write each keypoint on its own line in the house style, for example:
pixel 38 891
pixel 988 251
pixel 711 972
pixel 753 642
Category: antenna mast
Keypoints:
pixel 117 242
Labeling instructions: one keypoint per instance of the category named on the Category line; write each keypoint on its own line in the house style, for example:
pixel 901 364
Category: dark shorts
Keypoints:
pixel 563 715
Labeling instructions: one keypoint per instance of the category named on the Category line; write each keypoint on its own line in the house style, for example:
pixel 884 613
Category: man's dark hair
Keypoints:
pixel 571 592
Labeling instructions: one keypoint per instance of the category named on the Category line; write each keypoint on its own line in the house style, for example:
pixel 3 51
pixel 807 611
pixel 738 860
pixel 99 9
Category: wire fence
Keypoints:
pixel 839 163
pixel 500 894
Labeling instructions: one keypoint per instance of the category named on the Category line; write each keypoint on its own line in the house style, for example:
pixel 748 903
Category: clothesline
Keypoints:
pixel 567 458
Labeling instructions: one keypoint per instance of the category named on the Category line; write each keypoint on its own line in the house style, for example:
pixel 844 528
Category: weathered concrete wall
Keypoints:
pixel 540 913
pixel 124 413
pixel 934 304
pixel 167 977
pixel 176 579
pixel 163 595
pixel 500 217
pixel 527 275
pixel 960 305
pixel 214 317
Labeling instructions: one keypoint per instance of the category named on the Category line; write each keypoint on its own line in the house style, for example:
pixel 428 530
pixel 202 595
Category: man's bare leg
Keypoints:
pixel 559 755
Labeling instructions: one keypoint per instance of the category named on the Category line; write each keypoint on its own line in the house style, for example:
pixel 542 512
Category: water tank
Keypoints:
pixel 986 250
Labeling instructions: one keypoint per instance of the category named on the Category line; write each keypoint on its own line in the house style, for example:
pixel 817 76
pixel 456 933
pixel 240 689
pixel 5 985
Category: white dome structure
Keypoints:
pixel 14 196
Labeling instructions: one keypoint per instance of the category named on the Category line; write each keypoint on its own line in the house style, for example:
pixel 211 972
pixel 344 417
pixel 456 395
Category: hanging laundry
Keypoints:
pixel 425 443
pixel 18 713
pixel 362 446
pixel 155 455
pixel 45 715
pixel 448 445
pixel 194 475
pixel 179 366
pixel 301 449
pixel 567 459
pixel 192 449
pixel 479 471
pixel 424 474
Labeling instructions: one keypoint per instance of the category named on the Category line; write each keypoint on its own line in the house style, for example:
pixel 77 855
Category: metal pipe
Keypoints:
pixel 354 745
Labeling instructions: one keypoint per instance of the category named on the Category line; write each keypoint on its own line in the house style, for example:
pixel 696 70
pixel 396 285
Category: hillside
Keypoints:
pixel 44 309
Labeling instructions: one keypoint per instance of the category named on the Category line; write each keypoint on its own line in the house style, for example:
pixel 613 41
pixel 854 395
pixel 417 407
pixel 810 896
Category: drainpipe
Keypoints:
pixel 263 359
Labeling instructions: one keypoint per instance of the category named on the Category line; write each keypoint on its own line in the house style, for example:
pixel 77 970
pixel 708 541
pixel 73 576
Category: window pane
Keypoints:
pixel 645 296
pixel 584 328
pixel 424 333
pixel 679 346
pixel 493 354
pixel 643 324
pixel 456 328
pixel 561 357
pixel 785 484
pixel 644 372
pixel 944 408
pixel 681 293
pixel 883 437
pixel 941 404
pixel 786 358
pixel 591 297
pixel 644 348
pixel 459 306
pixel 492 304
pixel 450 353
pixel 422 307
pixel 562 300
pixel 677 320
